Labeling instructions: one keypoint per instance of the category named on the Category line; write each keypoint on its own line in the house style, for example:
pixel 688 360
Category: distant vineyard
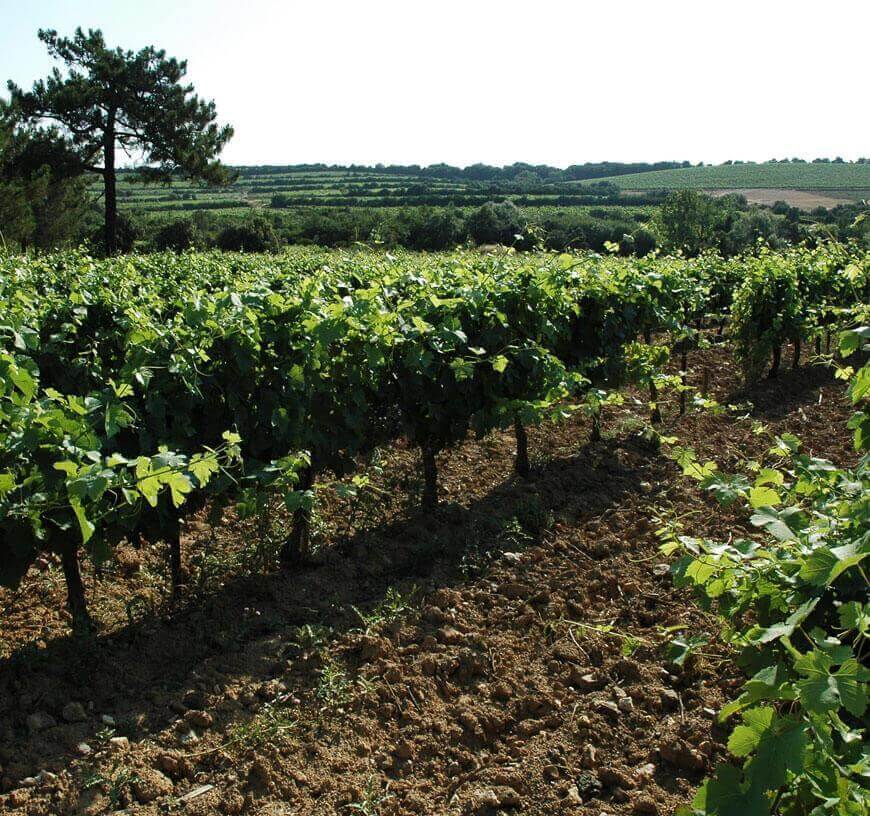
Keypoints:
pixel 823 176
pixel 359 188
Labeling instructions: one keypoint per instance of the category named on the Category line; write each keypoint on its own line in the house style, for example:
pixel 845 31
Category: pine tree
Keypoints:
pixel 110 99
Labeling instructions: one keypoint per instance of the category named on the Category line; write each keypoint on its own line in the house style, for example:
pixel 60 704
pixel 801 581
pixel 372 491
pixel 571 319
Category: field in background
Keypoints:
pixel 834 183
pixel 282 188
pixel 803 199
pixel 631 195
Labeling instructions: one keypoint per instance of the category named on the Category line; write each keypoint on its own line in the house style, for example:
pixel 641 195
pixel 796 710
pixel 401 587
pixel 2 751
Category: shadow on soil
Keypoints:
pixel 776 398
pixel 242 631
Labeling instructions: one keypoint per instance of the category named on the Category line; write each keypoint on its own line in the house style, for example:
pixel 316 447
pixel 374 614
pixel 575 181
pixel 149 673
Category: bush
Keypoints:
pixel 256 235
pixel 129 230
pixel 177 236
pixel 747 229
pixel 496 223
pixel 433 229
pixel 644 241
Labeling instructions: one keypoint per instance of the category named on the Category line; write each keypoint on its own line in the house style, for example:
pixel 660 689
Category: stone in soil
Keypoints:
pixel 150 784
pixel 74 712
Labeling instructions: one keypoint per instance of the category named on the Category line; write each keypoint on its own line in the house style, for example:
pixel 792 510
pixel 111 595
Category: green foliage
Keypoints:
pixel 786 296
pixel 688 222
pixel 794 605
pixel 177 236
pixel 134 390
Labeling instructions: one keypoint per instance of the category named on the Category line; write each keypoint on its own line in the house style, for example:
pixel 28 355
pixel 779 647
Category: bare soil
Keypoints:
pixel 505 653
pixel 804 199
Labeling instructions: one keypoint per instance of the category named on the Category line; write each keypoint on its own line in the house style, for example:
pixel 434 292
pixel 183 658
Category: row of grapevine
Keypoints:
pixel 133 390
pixel 791 297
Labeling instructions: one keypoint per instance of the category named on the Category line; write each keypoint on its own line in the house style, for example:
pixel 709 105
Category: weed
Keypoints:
pixel 116 785
pixel 372 798
pixel 311 637
pixel 269 723
pixel 513 535
pixel 334 688
pixel 533 517
pixel 392 608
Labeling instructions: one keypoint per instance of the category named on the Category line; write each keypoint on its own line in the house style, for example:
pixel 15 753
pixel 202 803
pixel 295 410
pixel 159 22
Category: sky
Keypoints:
pixel 547 82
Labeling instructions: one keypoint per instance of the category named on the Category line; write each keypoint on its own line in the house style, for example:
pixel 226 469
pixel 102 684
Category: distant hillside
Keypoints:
pixel 824 176
pixel 605 184
pixel 392 186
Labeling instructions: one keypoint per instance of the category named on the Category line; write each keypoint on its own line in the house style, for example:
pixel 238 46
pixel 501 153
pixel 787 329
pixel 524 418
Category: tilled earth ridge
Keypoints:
pixel 502 654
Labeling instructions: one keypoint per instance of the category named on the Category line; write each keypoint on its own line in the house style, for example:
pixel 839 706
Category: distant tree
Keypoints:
pixel 496 224
pixel 688 221
pixel 128 230
pixel 643 241
pixel 110 99
pixel 43 202
pixel 747 229
pixel 432 228
pixel 16 217
pixel 731 201
pixel 257 234
pixel 177 235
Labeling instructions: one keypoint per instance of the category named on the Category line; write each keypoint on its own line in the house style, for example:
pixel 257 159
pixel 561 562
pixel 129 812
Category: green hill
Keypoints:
pixel 832 176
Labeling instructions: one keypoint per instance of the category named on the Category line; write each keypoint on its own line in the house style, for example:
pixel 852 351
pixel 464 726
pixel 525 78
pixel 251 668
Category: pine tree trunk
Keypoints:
pixel 796 360
pixel 297 546
pixel 818 344
pixel 430 477
pixel 521 465
pixel 705 383
pixel 75 591
pixel 777 357
pixel 109 186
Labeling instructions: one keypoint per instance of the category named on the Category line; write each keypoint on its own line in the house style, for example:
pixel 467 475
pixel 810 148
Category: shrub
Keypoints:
pixel 177 236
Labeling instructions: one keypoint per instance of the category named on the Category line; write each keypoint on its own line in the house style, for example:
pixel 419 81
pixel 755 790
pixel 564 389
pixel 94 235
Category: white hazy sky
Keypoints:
pixel 552 82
